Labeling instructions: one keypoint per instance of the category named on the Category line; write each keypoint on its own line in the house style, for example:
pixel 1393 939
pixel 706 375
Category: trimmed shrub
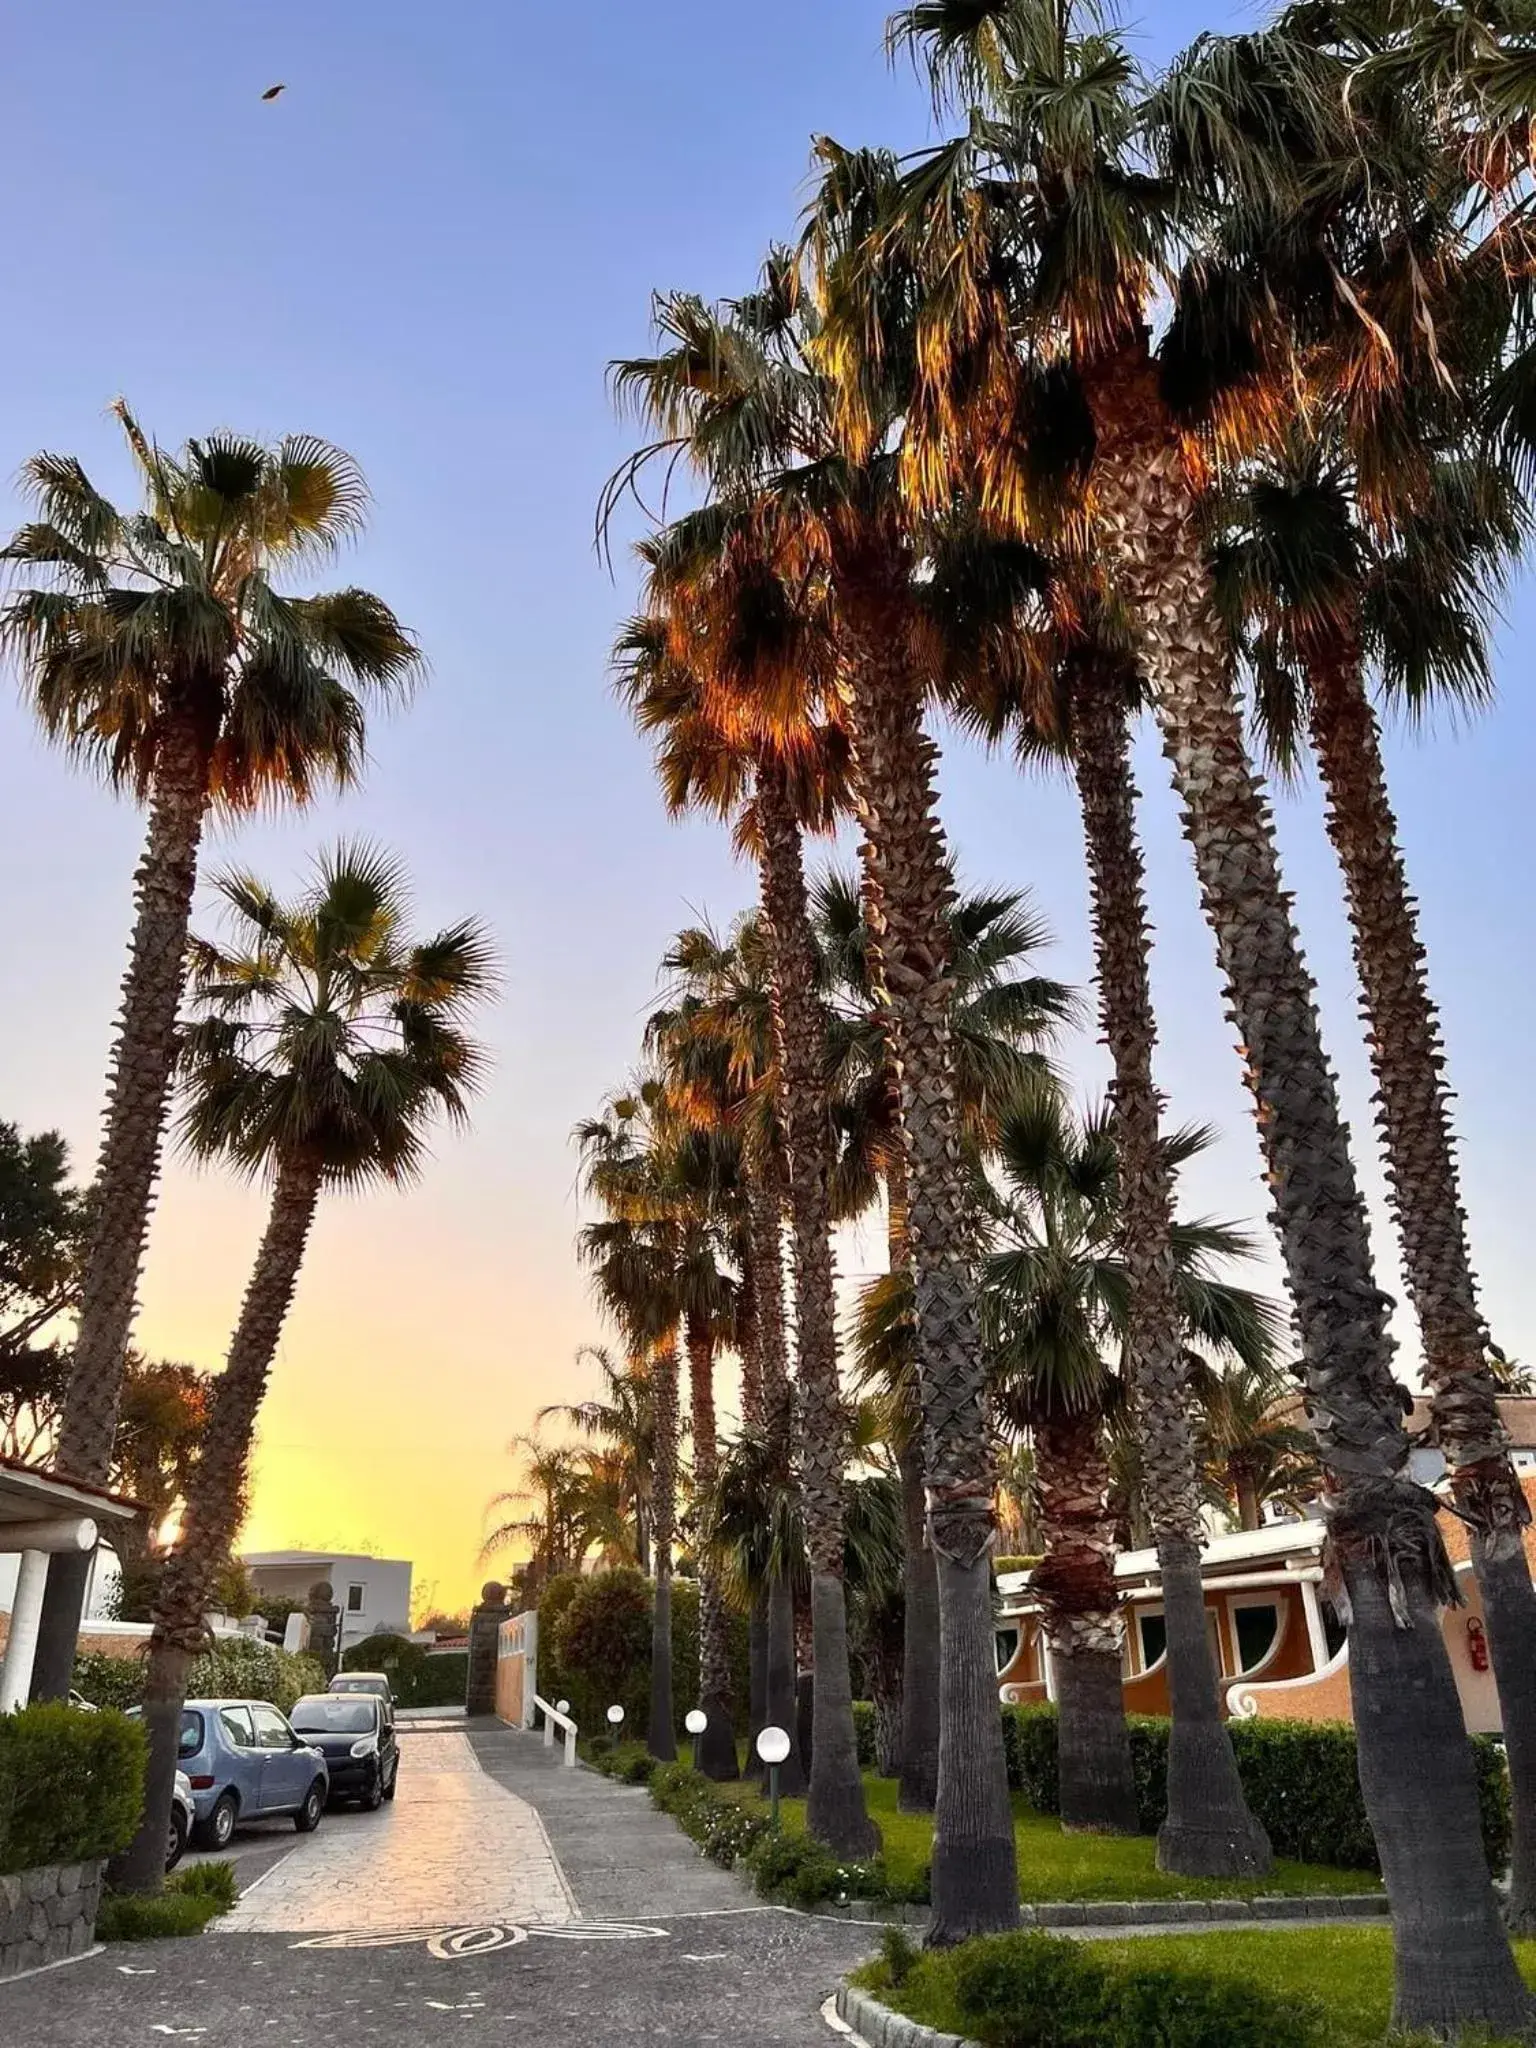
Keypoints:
pixel 190 1900
pixel 1300 1778
pixel 602 1645
pixel 216 1881
pixel 234 1668
pixel 109 1681
pixel 864 1731
pixel 441 1681
pixel 630 1764
pixel 1160 2007
pixel 71 1785
pixel 594 1673
pixel 788 1868
pixel 1031 1991
pixel 1040 1991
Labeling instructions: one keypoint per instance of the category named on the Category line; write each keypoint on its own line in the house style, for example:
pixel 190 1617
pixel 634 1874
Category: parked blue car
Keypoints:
pixel 244 1762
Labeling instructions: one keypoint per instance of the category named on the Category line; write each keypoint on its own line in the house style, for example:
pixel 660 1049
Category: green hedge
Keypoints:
pixel 1299 1776
pixel 790 1869
pixel 416 1677
pixel 595 1648
pixel 864 1734
pixel 1042 1991
pixel 71 1785
pixel 235 1668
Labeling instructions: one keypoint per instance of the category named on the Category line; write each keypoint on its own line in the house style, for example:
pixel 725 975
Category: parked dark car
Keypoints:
pixel 356 1736
pixel 244 1762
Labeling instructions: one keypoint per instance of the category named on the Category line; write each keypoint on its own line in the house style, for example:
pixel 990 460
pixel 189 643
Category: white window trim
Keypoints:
pixel 1282 1609
pixel 1154 1608
pixel 361 1590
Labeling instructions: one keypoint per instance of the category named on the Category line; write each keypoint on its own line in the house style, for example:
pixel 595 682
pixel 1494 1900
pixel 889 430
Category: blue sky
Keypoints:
pixel 427 249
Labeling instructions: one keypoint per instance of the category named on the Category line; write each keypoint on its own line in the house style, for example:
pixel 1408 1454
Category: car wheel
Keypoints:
pixel 373 1798
pixel 176 1847
pixel 307 1819
pixel 217 1830
pixel 394 1779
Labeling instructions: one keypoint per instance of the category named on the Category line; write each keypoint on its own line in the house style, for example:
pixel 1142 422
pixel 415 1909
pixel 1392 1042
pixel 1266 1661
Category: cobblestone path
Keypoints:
pixel 453 1849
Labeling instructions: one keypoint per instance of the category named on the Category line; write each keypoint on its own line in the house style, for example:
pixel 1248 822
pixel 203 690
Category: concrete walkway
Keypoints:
pixel 621 1858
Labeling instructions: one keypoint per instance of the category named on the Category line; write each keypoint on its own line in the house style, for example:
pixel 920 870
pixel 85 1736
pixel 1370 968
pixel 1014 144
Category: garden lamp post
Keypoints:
pixel 615 1723
pixel 696 1721
pixel 773 1747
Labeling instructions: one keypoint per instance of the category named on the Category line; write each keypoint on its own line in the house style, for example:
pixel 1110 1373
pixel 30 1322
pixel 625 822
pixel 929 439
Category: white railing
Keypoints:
pixel 552 1717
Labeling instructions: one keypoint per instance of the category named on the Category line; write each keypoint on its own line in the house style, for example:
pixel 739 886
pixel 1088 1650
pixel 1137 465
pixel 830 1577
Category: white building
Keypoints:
pixel 373 1593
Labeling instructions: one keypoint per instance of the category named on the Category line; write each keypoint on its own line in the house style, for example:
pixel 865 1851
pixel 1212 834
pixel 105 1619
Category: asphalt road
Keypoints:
pixel 757 1977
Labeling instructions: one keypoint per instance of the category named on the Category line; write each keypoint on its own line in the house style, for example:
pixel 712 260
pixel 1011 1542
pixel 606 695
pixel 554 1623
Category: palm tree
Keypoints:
pixel 717 1042
pixel 155 645
pixel 623 1417
pixel 548 1510
pixel 1253 1450
pixel 742 395
pixel 732 627
pixel 657 1261
pixel 1002 1020
pixel 1319 599
pixel 1227 135
pixel 326 1042
pixel 1057 1309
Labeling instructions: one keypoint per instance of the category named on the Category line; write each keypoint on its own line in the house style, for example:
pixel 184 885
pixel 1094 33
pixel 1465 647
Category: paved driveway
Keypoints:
pixel 453 1848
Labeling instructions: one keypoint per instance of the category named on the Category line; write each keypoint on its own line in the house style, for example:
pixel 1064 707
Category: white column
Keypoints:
pixel 1315 1633
pixel 21 1643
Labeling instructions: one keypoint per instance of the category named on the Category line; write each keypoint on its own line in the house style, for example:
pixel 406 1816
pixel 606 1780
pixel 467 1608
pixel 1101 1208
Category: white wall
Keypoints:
pixel 384 1587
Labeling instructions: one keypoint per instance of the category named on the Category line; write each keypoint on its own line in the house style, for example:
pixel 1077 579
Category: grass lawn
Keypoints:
pixel 1348 1970
pixel 1060 1867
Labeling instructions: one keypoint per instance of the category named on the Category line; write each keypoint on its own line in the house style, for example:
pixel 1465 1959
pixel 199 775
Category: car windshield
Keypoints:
pixel 329 1714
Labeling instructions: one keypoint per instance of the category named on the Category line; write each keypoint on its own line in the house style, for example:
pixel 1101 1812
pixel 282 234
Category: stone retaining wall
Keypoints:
pixel 47 1914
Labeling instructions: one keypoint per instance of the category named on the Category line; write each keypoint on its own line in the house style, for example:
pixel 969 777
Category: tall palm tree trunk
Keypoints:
pixel 661 1735
pixel 1454 1967
pixel 138 1089
pixel 766 1195
pixel 835 1808
pixel 1208 1829
pixel 975 1865
pixel 918 1748
pixel 1080 1611
pixel 215 1506
pixel 1424 1189
pixel 717 1745
pixel 749 1349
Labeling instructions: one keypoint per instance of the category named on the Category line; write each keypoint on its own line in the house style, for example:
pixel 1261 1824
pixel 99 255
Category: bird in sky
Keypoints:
pixel 272 91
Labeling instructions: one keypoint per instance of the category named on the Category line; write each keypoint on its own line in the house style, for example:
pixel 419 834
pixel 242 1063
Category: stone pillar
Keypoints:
pixel 324 1618
pixel 484 1631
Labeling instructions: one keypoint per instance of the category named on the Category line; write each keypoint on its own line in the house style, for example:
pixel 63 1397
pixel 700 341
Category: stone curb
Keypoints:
pixel 1110 1913
pixel 878 2027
